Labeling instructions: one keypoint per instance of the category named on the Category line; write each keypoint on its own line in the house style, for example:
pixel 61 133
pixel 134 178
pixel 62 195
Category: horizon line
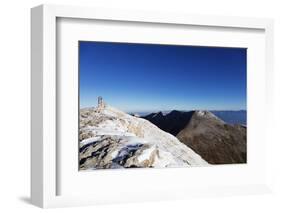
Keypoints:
pixel 165 110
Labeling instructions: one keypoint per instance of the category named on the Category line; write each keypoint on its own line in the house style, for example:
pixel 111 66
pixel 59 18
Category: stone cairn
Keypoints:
pixel 101 104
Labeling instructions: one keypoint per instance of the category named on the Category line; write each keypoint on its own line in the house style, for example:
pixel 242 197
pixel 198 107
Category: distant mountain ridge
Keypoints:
pixel 228 116
pixel 217 141
pixel 172 122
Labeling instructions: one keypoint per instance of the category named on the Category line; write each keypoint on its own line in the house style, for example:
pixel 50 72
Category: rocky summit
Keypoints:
pixel 110 138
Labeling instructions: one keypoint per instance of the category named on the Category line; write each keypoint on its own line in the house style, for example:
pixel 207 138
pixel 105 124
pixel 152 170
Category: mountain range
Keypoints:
pixel 228 116
pixel 216 141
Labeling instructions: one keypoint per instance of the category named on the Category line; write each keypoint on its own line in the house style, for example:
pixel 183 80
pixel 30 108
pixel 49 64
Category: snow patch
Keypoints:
pixel 146 154
pixel 90 140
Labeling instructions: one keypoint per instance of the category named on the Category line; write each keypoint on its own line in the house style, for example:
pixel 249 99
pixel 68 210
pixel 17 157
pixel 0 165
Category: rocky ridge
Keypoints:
pixel 213 139
pixel 110 138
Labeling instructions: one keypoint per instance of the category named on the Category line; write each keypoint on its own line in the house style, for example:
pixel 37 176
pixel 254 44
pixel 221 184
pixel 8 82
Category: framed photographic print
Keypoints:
pixel 130 106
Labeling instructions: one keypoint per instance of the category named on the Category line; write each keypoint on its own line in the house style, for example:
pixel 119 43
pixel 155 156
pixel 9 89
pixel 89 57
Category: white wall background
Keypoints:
pixel 15 103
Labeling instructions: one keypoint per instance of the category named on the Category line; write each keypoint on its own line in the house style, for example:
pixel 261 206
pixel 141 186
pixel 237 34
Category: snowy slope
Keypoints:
pixel 110 138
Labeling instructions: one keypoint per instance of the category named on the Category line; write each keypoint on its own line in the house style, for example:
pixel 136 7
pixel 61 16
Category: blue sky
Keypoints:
pixel 149 77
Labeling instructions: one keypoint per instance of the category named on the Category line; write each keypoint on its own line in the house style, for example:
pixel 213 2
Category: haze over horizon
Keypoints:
pixel 150 78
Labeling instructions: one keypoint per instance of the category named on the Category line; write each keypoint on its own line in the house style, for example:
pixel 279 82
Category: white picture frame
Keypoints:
pixel 44 153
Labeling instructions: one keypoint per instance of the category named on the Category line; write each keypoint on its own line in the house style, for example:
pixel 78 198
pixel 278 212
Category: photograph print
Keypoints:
pixel 161 106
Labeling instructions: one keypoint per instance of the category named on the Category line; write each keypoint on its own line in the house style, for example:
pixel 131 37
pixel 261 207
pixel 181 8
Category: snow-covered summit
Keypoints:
pixel 110 138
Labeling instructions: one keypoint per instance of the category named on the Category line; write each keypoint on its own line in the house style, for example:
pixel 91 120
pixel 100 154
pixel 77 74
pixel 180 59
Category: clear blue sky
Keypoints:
pixel 148 77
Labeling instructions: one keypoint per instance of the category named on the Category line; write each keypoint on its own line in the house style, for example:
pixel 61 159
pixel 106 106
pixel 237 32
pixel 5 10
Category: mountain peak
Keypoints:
pixel 212 138
pixel 206 114
pixel 158 114
pixel 172 122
